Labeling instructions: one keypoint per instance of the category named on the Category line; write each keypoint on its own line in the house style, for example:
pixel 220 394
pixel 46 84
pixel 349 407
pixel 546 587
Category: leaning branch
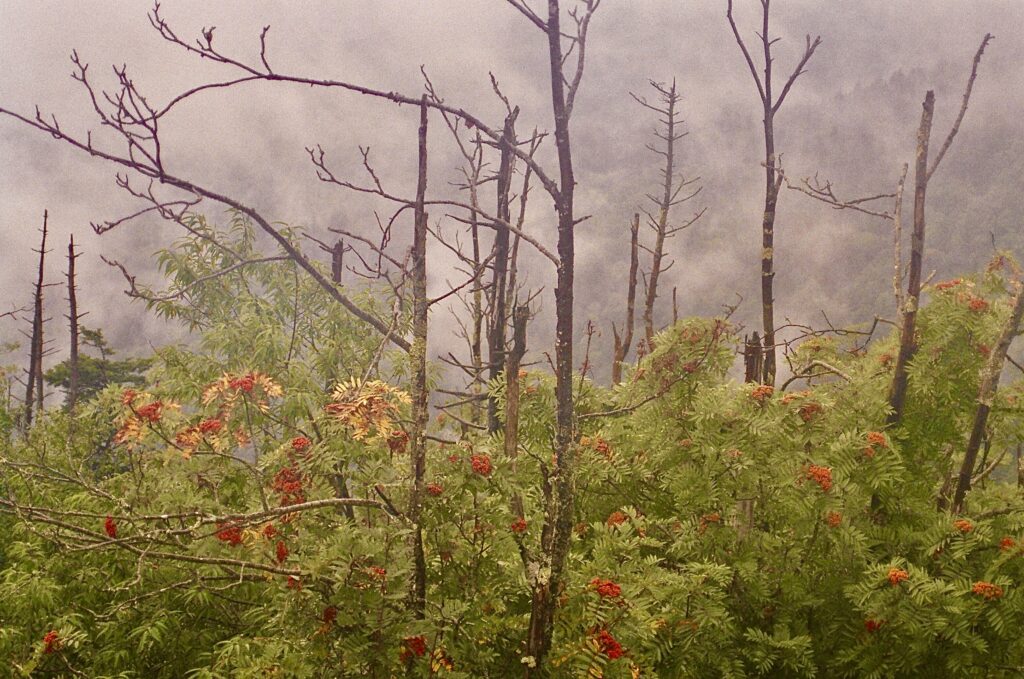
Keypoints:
pixel 963 106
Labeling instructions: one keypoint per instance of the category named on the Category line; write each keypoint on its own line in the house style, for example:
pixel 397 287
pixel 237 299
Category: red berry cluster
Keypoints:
pixel 872 625
pixel 762 393
pixel 597 444
pixel 963 525
pixel 616 518
pixel 435 489
pixel 481 464
pixel 244 383
pixel 1007 543
pixel 51 641
pixel 413 647
pixel 897 575
pixel 977 304
pixel 833 519
pixel 151 412
pixel 947 285
pixel 110 528
pixel 987 590
pixel 820 475
pixel 808 410
pixel 606 589
pixel 875 438
pixel 609 645
pixel 288 486
pixel 211 426
pixel 708 519
pixel 230 533
pixel 518 526
pixel 398 441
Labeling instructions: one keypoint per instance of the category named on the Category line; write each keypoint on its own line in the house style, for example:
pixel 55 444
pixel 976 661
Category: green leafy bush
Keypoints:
pixel 241 514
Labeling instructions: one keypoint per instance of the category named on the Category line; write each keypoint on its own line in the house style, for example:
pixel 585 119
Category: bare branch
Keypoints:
pixel 963 106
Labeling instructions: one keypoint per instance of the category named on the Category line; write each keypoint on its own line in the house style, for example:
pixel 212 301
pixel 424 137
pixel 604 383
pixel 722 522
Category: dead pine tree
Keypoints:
pixel 622 343
pixel 753 358
pixel 520 318
pixel 675 189
pixel 34 377
pixel 73 318
pixel 773 181
pixel 546 571
pixel 337 261
pixel 922 175
pixel 986 397
pixel 418 358
pixel 908 301
pixel 498 290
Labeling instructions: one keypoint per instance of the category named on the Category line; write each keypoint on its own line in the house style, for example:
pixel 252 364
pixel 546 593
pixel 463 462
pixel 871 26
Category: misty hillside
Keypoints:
pixel 512 339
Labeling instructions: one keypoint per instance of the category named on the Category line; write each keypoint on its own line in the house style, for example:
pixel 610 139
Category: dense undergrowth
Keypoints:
pixel 242 514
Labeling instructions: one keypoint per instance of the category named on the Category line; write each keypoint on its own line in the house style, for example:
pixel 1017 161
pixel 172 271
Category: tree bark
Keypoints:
pixel 418 357
pixel 499 316
pixel 908 343
pixel 73 320
pixel 986 396
pixel 33 385
pixel 753 359
pixel 773 178
pixel 661 229
pixel 623 343
pixel 560 501
pixel 337 261
pixel 515 357
pixel 771 199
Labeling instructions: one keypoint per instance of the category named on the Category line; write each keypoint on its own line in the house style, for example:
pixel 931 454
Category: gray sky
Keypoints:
pixel 852 118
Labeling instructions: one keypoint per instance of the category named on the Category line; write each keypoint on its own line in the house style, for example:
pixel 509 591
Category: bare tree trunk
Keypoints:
pixel 753 359
pixel 664 206
pixel 339 482
pixel 337 261
pixel 986 396
pixel 73 317
pixel 477 309
pixel 623 343
pixel 560 501
pixel 773 178
pixel 753 370
pixel 922 174
pixel 1020 466
pixel 33 385
pixel 499 319
pixel 898 391
pixel 515 357
pixel 418 356
pixel 771 199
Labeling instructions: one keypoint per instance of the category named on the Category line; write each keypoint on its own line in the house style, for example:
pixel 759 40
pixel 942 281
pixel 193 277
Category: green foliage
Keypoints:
pixel 199 525
pixel 95 374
